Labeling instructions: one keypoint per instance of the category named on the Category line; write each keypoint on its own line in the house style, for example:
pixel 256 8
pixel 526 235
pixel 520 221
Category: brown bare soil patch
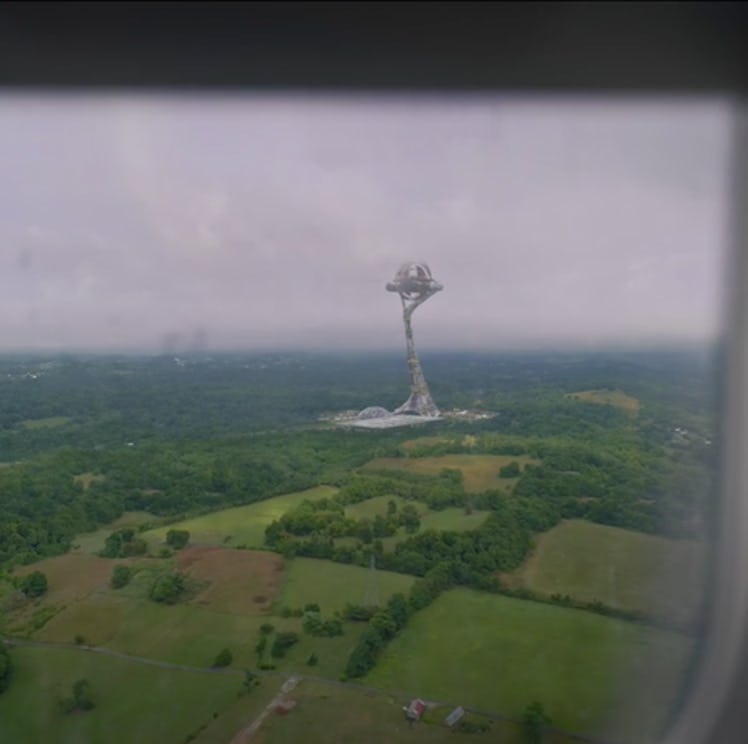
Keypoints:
pixel 240 582
pixel 72 576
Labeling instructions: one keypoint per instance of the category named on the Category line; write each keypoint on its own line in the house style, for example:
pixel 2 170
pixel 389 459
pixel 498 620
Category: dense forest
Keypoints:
pixel 83 439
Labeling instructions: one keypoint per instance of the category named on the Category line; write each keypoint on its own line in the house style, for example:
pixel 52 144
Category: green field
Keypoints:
pixel 134 702
pixel 360 717
pixel 186 634
pixel 331 585
pixel 480 472
pixel 499 654
pixel 192 633
pixel 241 525
pixel 620 568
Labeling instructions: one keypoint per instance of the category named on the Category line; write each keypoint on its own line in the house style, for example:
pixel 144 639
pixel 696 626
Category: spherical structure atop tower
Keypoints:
pixel 414 282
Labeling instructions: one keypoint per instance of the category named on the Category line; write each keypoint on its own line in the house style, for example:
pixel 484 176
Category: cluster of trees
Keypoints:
pixel 326 517
pixel 210 433
pixel 499 544
pixel 177 539
pixel 123 544
pixel 314 624
pixel 168 588
pixel 44 504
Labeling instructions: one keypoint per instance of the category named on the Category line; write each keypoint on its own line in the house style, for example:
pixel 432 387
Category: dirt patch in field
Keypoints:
pixel 241 582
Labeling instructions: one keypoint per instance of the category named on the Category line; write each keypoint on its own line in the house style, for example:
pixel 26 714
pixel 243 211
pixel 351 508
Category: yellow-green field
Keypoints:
pixel 480 472
pixel 620 568
pixel 241 525
pixel 50 422
pixel 499 654
pixel 616 398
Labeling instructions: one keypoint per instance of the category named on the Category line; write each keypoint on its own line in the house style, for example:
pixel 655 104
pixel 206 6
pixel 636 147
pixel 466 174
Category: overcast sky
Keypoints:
pixel 245 222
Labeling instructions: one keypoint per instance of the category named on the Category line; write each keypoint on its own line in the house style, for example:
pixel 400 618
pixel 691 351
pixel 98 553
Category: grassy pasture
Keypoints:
pixel 333 584
pixel 616 398
pixel 192 635
pixel 363 717
pixel 499 654
pixel 134 702
pixel 621 568
pixel 480 472
pixel 241 525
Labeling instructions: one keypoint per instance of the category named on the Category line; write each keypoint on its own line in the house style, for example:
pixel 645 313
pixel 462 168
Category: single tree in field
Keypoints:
pixel 81 698
pixel 34 585
pixel 120 577
pixel 224 658
pixel 533 723
pixel 250 680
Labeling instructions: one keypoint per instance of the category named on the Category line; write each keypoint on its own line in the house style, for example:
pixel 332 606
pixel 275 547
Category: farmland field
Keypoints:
pixel 238 593
pixel 134 702
pixel 361 717
pixel 333 584
pixel 620 568
pixel 499 654
pixel 241 582
pixel 480 472
pixel 241 525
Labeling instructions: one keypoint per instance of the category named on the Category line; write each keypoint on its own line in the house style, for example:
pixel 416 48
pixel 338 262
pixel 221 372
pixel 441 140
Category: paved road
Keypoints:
pixel 296 679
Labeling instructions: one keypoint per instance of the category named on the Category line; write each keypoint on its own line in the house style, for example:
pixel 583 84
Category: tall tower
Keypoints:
pixel 414 284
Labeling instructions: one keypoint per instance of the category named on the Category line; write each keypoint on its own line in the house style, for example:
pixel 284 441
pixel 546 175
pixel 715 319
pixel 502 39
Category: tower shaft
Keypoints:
pixel 419 402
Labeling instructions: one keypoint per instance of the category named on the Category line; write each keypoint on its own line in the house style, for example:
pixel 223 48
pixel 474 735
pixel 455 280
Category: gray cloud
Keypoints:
pixel 264 221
